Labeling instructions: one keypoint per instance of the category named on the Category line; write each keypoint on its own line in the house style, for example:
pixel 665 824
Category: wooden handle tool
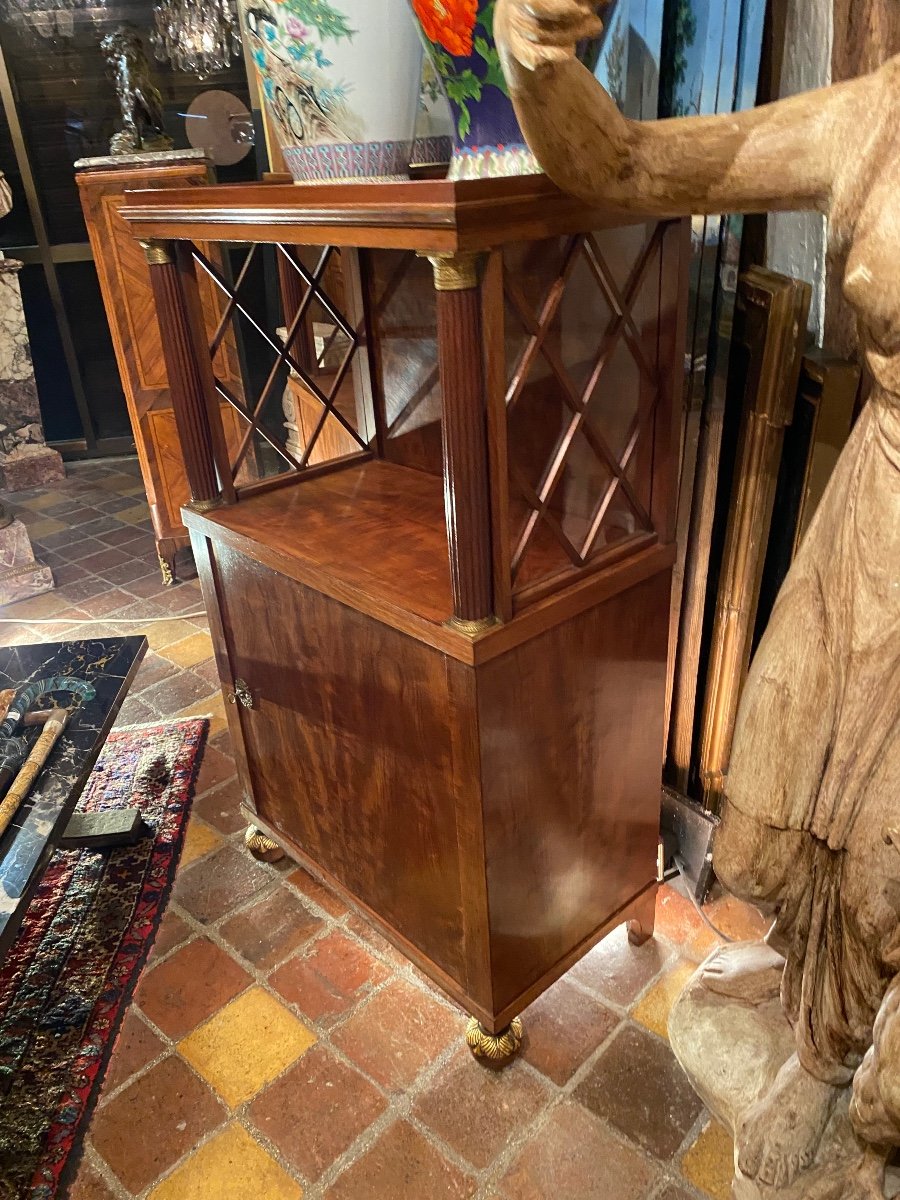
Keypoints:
pixel 29 770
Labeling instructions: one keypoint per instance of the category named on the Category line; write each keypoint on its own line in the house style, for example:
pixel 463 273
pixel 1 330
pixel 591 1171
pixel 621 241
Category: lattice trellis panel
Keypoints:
pixel 582 394
pixel 317 370
pixel 404 321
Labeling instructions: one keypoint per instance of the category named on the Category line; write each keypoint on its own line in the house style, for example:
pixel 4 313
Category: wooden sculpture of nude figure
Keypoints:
pixel 811 826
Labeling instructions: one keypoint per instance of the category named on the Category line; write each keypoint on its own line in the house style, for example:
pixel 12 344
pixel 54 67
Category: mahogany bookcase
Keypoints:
pixel 445 638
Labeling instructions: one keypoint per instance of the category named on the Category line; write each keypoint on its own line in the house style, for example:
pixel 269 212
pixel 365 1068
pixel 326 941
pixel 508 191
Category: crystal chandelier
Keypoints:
pixel 200 36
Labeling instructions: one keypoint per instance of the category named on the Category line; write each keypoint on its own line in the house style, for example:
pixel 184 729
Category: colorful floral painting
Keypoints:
pixel 461 37
pixel 287 48
pixel 450 23
pixel 342 83
pixel 328 21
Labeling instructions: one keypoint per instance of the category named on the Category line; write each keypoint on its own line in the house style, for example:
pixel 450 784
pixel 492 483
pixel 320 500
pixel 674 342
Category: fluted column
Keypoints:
pixel 466 478
pixel 188 367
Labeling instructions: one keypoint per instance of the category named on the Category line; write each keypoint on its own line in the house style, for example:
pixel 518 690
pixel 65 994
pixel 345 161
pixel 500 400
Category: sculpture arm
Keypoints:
pixel 785 155
pixel 875 1107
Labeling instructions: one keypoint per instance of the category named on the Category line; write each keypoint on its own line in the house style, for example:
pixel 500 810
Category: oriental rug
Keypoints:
pixel 68 977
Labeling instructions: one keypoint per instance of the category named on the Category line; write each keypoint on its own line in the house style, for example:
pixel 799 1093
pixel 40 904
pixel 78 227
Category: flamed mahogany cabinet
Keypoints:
pixel 441 615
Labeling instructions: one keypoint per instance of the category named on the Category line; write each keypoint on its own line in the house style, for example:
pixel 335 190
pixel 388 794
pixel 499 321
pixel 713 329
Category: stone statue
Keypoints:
pixel 139 97
pixel 795 1043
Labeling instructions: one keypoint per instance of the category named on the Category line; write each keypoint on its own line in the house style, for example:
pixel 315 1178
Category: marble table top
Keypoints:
pixel 139 158
pixel 110 664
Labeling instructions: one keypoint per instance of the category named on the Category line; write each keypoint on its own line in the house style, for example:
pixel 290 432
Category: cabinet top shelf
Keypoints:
pixel 430 215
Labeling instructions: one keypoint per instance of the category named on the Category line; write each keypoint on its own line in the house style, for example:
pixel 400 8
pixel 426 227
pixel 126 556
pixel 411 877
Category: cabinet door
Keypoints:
pixel 348 747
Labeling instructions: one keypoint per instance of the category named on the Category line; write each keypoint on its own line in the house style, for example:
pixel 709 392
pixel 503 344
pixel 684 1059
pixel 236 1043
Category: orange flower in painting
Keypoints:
pixel 450 23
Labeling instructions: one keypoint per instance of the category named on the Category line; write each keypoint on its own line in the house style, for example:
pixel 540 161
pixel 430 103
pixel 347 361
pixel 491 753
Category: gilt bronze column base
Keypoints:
pixel 496 1047
pixel 261 845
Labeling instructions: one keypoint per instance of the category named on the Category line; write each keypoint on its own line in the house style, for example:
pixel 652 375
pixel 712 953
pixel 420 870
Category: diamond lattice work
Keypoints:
pixel 404 322
pixel 583 388
pixel 296 398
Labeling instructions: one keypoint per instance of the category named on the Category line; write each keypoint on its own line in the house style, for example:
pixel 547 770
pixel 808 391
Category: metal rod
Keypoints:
pixel 62 252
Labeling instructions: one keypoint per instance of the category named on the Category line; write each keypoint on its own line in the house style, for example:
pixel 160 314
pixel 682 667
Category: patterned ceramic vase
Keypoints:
pixel 460 38
pixel 341 82
pixel 434 128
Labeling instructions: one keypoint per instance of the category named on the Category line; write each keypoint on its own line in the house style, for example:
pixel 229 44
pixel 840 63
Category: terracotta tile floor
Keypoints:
pixel 279 1047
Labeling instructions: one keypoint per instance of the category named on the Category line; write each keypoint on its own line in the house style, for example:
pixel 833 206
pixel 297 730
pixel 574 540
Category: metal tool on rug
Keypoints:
pixel 19 767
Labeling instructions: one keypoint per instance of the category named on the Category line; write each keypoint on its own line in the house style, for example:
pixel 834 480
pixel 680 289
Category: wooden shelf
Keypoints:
pixel 373 537
pixel 423 214
pixel 373 533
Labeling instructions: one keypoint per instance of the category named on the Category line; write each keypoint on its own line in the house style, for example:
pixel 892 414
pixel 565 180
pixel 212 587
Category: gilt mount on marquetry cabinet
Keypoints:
pixel 451 640
pixel 128 300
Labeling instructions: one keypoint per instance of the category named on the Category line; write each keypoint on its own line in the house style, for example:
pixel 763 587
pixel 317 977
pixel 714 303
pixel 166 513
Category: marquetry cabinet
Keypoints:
pixel 440 605
pixel 128 300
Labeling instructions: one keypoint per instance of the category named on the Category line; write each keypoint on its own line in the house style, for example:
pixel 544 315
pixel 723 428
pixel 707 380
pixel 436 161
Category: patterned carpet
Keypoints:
pixel 66 980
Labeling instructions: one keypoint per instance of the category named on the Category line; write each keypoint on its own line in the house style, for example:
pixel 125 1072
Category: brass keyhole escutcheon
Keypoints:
pixel 241 694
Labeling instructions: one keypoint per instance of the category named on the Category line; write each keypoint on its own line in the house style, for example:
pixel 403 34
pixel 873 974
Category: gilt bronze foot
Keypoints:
pixel 261 845
pixel 642 918
pixel 494 1046
pixel 167 570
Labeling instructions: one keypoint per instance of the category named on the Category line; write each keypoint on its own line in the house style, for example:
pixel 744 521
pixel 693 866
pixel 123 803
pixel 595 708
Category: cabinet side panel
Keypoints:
pixel 571 725
pixel 349 748
pixel 462 685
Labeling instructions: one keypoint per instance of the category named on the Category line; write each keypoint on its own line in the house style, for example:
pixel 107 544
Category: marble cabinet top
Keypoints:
pixel 142 158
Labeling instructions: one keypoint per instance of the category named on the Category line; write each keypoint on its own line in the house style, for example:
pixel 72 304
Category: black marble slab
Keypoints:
pixel 110 664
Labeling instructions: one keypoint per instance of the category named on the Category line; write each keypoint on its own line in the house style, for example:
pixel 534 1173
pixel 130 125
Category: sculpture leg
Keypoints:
pixel 748 971
pixel 495 1047
pixel 643 919
pixel 866 1182
pixel 261 845
pixel 780 1134
pixel 755 861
